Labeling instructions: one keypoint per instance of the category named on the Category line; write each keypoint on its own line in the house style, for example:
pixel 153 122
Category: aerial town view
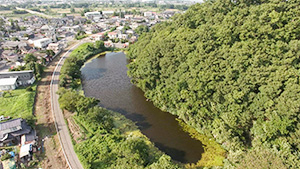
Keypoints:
pixel 156 84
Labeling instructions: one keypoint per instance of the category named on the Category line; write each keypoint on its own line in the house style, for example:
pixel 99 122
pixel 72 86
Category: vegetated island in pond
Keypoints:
pixel 229 69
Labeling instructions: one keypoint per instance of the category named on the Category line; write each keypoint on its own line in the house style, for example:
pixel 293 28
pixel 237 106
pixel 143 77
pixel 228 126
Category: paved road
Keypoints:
pixel 60 124
pixel 34 12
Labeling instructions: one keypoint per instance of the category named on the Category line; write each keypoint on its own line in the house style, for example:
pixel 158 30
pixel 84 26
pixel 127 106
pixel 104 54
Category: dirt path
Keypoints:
pixel 53 156
pixel 35 12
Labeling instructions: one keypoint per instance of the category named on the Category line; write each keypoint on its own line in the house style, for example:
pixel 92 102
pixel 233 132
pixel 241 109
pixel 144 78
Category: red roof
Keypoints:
pixel 112 33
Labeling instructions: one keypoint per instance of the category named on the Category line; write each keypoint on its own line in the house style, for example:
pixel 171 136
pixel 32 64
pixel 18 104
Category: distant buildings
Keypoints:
pixel 96 16
pixel 108 13
pixel 98 36
pixel 148 14
pixel 56 47
pixel 112 35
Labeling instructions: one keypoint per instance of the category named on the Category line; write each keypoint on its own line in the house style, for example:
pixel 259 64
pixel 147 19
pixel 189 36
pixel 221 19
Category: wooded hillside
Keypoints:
pixel 230 69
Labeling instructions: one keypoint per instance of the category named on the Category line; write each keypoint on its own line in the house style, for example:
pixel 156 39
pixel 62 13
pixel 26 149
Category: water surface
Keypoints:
pixel 106 78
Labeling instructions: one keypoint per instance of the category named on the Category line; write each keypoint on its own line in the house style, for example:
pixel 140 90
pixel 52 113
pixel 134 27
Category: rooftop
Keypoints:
pixel 10 124
pixel 13 72
pixel 7 81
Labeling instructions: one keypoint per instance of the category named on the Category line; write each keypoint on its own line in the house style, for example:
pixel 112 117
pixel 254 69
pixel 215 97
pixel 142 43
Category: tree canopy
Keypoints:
pixel 108 139
pixel 231 70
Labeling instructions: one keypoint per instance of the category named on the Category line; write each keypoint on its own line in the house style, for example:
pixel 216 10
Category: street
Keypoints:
pixel 60 124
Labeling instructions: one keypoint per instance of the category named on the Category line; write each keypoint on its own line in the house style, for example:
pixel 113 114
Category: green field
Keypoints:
pixel 18 104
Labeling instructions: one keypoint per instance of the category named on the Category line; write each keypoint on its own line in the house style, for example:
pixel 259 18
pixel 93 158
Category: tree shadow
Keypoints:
pixel 138 119
pixel 44 130
pixel 175 154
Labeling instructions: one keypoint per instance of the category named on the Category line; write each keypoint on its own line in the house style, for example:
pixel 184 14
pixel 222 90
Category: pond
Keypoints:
pixel 105 78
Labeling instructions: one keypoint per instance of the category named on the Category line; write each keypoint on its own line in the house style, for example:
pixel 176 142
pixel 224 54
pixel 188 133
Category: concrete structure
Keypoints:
pixel 8 84
pixel 24 77
pixel 41 43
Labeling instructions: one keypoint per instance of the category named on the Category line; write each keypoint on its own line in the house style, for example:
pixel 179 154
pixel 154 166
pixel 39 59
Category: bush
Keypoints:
pixel 5 157
pixel 29 89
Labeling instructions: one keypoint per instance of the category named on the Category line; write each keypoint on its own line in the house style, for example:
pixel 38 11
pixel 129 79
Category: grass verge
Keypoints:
pixel 18 104
pixel 213 154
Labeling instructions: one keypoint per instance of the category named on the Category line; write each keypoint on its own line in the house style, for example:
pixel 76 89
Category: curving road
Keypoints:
pixel 60 124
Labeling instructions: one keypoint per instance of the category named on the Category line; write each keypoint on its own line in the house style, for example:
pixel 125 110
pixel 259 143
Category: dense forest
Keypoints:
pixel 230 69
pixel 108 139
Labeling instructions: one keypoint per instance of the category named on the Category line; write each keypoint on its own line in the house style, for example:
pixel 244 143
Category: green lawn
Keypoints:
pixel 19 104
pixel 16 16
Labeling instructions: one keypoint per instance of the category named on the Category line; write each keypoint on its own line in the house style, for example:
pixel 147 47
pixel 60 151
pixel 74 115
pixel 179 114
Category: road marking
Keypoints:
pixel 58 128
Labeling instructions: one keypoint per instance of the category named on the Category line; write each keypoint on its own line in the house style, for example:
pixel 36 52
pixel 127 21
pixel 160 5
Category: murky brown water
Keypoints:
pixel 106 78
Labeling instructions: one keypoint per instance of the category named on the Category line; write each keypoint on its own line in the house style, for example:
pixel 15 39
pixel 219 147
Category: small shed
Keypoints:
pixel 26 150
pixel 8 83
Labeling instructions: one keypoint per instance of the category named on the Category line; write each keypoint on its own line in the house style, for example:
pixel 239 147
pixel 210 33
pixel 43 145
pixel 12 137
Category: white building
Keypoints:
pixel 112 35
pixel 92 14
pixel 8 83
pixel 122 36
pixel 107 13
pixel 41 43
pixel 148 14
pixel 96 16
pixel 98 36
pixel 56 47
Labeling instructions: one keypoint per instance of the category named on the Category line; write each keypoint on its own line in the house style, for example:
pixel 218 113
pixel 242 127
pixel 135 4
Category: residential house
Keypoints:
pixel 108 44
pixel 80 20
pixel 130 31
pixel 133 39
pixel 112 35
pixel 128 17
pixel 56 47
pixel 22 35
pixel 73 29
pixel 122 36
pixel 45 27
pixel 16 45
pixel 103 26
pixel 96 16
pixel 39 55
pixel 25 77
pixel 11 55
pixel 98 36
pixel 148 14
pixel 11 131
pixel 10 45
pixel 24 47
